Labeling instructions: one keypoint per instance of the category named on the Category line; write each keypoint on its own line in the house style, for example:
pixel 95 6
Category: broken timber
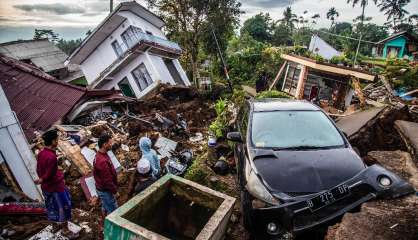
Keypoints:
pixel 73 152
pixel 279 74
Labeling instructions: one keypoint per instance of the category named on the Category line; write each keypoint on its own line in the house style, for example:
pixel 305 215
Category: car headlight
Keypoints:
pixel 384 180
pixel 257 189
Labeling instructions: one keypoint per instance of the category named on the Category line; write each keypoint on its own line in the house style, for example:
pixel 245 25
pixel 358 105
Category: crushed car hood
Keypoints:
pixel 307 171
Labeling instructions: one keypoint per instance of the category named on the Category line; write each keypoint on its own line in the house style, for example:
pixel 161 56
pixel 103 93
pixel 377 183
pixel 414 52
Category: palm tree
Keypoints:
pixel 363 4
pixel 289 18
pixel 314 17
pixel 394 9
pixel 332 14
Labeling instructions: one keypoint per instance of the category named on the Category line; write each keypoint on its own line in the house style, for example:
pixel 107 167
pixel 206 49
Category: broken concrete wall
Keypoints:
pixel 378 132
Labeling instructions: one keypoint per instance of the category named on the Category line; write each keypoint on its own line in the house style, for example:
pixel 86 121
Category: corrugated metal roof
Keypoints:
pixel 38 99
pixel 42 53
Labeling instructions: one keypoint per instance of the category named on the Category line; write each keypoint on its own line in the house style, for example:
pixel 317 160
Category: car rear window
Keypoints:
pixel 293 129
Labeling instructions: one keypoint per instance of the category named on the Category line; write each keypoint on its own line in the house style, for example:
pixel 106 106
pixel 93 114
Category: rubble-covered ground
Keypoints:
pixel 183 115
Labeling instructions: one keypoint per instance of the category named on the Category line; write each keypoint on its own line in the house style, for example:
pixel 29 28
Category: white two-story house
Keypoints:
pixel 130 52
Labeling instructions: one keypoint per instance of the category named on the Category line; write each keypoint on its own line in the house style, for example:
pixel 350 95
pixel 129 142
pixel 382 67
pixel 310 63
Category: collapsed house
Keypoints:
pixel 129 51
pixel 44 55
pixel 308 79
pixel 32 102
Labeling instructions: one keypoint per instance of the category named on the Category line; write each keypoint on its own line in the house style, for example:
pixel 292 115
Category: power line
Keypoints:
pixel 337 35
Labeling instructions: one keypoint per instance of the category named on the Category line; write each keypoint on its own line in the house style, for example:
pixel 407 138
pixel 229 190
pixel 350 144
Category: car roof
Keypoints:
pixel 282 104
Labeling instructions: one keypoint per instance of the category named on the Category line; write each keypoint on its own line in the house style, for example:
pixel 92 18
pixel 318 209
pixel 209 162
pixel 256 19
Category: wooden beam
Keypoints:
pixel 73 153
pixel 328 68
pixel 359 92
pixel 300 89
pixel 279 74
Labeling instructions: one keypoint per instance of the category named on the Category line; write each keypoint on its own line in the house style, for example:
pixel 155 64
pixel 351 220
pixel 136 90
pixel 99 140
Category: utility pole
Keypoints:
pixel 222 59
pixel 111 5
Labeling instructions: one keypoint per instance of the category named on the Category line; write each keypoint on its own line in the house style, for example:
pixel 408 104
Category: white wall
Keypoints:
pixel 16 152
pixel 104 55
pixel 157 72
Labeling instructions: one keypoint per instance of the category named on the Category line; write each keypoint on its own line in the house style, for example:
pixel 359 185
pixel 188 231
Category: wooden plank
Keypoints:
pixel 300 89
pixel 279 74
pixel 73 153
pixel 326 68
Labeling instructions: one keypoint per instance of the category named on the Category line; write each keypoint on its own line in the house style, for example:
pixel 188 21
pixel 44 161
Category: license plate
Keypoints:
pixel 328 197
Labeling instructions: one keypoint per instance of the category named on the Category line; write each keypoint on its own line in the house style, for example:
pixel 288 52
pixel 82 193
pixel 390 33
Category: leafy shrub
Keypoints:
pixel 272 94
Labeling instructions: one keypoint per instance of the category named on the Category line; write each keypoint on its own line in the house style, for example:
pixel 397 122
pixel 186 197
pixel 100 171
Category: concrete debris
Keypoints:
pixel 48 234
pixel 409 134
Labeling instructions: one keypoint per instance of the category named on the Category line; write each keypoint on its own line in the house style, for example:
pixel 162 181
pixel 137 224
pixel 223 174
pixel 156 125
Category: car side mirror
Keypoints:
pixel 234 136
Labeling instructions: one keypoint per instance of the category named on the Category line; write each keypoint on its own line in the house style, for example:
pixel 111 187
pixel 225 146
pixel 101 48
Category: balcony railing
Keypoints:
pixel 151 40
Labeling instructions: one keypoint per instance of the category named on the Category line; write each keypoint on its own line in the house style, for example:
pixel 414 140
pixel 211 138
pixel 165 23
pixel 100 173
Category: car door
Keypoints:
pixel 241 148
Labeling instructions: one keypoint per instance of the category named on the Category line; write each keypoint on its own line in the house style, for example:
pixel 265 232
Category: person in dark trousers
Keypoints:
pixel 145 178
pixel 56 194
pixel 105 175
pixel 261 83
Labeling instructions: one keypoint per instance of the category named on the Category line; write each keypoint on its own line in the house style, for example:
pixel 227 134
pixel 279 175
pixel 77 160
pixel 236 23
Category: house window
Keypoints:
pixel 125 87
pixel 131 36
pixel 117 48
pixel 142 77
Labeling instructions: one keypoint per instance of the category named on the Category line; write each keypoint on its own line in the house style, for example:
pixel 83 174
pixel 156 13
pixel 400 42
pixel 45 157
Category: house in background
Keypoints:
pixel 130 52
pixel 44 55
pixel 319 46
pixel 308 79
pixel 399 45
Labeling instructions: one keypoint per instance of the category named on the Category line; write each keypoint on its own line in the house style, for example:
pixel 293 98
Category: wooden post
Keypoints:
pixel 279 74
pixel 300 89
pixel 359 92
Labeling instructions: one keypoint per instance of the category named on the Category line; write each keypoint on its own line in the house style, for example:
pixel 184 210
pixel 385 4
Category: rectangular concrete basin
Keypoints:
pixel 172 208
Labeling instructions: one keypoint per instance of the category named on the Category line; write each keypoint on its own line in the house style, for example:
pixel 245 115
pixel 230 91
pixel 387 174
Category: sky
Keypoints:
pixel 71 19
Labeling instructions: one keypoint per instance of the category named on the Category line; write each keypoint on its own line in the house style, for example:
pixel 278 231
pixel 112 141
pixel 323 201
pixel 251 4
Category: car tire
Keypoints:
pixel 246 209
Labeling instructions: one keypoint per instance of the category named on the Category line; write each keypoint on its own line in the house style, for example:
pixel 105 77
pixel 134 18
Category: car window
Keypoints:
pixel 292 129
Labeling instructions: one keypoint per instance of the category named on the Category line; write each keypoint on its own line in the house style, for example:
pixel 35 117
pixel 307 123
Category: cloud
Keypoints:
pixel 268 4
pixel 57 8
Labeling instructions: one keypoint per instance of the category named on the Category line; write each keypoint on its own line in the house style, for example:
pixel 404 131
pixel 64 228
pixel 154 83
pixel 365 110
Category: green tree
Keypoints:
pixel 190 23
pixel 258 27
pixel 363 4
pixel 68 46
pixel 331 15
pixel 45 33
pixel 289 18
pixel 394 10
pixel 282 35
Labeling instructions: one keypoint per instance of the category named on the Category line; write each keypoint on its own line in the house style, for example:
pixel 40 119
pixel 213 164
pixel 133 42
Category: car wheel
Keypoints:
pixel 246 209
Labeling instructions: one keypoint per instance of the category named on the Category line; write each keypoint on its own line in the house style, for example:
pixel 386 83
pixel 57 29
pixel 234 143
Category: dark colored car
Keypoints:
pixel 297 170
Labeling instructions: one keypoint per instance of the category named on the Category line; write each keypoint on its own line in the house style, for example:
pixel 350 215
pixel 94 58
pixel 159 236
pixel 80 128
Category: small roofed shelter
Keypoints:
pixel 305 78
pixel 40 100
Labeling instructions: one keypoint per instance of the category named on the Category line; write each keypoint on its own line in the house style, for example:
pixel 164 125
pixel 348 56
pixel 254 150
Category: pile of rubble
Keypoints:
pixel 174 117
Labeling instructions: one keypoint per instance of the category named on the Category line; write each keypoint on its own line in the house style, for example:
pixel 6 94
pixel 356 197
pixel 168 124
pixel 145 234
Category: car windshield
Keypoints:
pixel 294 129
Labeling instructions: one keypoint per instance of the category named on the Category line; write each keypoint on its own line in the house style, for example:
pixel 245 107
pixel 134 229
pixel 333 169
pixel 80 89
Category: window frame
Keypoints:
pixel 129 84
pixel 144 77
pixel 115 48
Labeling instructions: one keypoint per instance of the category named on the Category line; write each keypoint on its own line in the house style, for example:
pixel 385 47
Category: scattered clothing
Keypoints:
pixel 108 201
pixel 142 185
pixel 150 155
pixel 104 173
pixel 47 170
pixel 58 205
pixel 143 166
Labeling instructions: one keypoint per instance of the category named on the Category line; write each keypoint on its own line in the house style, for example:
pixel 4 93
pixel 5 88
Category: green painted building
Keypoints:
pixel 399 45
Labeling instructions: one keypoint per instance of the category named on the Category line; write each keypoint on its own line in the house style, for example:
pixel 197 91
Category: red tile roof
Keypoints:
pixel 38 99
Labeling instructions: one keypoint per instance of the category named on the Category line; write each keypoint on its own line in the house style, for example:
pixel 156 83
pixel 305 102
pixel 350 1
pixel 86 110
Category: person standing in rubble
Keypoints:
pixel 150 155
pixel 105 175
pixel 56 194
